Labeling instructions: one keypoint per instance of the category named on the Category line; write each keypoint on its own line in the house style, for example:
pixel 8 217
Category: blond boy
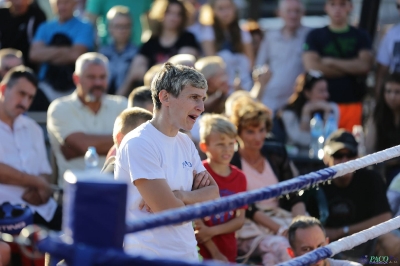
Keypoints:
pixel 216 234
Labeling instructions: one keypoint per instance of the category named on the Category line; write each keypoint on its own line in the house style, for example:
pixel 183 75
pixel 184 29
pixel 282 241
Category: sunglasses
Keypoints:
pixel 341 155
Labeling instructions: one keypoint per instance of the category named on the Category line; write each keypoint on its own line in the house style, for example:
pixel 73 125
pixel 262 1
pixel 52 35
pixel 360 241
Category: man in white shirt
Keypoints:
pixel 281 50
pixel 84 118
pixel 24 166
pixel 161 164
pixel 388 57
pixel 306 234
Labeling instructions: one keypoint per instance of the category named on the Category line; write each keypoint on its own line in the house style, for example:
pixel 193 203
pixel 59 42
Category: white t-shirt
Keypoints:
pixel 23 148
pixel 389 50
pixel 147 153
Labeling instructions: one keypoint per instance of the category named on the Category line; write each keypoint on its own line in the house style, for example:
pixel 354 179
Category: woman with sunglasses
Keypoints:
pixel 383 129
pixel 311 97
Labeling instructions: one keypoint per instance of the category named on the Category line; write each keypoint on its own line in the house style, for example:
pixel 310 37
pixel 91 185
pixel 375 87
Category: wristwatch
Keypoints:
pixel 346 230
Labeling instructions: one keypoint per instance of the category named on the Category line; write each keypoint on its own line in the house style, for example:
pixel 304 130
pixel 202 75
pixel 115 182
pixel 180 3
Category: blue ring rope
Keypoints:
pixel 228 203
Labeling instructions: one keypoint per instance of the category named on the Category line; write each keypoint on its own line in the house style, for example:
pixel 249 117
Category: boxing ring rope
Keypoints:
pixel 235 201
pixel 345 243
pixel 88 252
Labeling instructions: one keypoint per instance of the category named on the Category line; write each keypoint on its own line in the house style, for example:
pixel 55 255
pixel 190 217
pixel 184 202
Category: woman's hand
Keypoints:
pixel 317 105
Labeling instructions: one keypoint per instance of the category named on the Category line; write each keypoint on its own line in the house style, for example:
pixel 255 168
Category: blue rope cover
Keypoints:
pixel 228 203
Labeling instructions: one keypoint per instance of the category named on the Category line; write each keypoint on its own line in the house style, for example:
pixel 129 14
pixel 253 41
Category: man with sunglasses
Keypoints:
pixel 343 54
pixel 388 57
pixel 355 201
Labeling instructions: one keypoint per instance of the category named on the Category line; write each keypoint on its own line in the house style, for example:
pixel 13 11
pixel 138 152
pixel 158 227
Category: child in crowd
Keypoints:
pixel 121 51
pixel 216 234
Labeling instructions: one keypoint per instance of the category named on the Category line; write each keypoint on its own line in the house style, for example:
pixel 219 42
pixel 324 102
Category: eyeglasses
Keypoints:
pixel 341 155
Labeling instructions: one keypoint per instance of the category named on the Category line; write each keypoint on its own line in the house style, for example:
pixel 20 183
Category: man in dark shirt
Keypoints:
pixel 355 201
pixel 343 54
pixel 18 24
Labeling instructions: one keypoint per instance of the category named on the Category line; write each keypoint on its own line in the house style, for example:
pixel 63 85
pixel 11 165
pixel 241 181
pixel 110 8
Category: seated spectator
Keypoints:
pixel 307 234
pixel 57 45
pixel 5 254
pixel 281 50
pixel 19 21
pixel 263 166
pixel 96 11
pixel 311 97
pixel 216 234
pixel 141 97
pixel 183 59
pixel 84 118
pixel 355 201
pixel 383 128
pixel 121 51
pixel 393 195
pixel 214 70
pixel 127 121
pixel 24 168
pixel 194 26
pixel 222 36
pixel 148 77
pixel 169 38
pixel 343 54
pixel 9 58
pixel 388 57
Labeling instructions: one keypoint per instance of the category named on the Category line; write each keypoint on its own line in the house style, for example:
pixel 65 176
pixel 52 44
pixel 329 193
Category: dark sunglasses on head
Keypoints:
pixel 341 155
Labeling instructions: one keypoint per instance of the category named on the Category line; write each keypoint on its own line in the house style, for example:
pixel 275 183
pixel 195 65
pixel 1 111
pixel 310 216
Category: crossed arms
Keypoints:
pixel 335 67
pixel 158 196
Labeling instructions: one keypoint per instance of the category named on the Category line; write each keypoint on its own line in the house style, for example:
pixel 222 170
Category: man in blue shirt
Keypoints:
pixel 57 45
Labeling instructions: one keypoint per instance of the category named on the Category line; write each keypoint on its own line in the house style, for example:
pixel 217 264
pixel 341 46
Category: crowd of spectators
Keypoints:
pixel 96 58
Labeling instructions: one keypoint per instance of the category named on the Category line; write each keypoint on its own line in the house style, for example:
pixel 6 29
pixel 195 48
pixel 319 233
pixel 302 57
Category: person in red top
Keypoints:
pixel 216 234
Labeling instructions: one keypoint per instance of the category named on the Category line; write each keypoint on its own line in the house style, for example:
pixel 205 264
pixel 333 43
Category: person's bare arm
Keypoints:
pixel 157 194
pixel 214 251
pixel 261 78
pixel 380 74
pixel 205 232
pixel 312 61
pixel 40 53
pixel 337 233
pixel 11 176
pixel 76 144
pixel 263 219
pixel 357 66
pixel 203 193
pixel 208 48
pixel 136 72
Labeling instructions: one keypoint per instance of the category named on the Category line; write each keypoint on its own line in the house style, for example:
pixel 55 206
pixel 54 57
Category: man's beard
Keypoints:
pixel 90 97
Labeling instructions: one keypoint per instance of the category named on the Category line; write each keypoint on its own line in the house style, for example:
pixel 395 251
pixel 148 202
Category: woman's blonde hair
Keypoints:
pixel 216 123
pixel 250 113
pixel 158 11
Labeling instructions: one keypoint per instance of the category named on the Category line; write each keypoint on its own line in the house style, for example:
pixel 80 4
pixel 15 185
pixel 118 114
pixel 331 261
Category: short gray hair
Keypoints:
pixel 91 58
pixel 173 79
